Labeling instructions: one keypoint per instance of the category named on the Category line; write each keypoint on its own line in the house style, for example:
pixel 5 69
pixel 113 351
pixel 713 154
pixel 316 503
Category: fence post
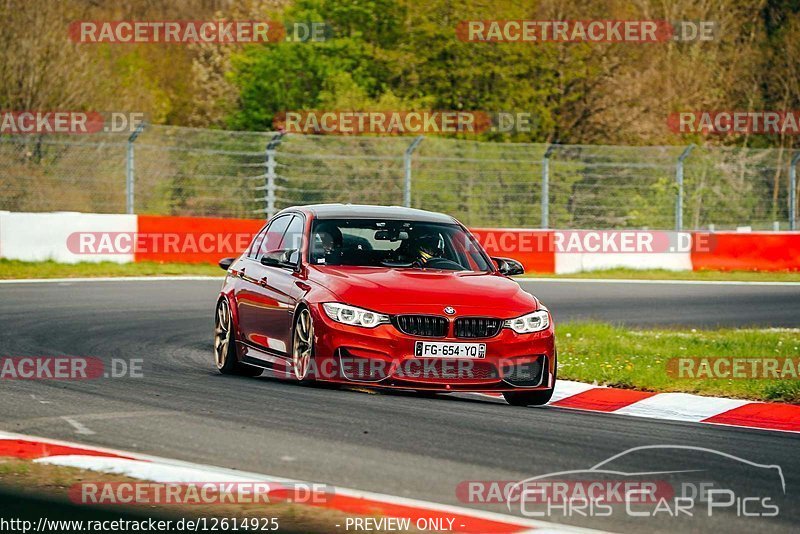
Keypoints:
pixel 407 165
pixel 129 169
pixel 793 192
pixel 546 187
pixel 679 183
pixel 271 175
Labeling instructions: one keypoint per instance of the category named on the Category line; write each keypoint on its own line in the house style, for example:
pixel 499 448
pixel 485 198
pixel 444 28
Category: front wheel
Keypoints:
pixel 528 398
pixel 225 344
pixel 303 347
pixel 532 398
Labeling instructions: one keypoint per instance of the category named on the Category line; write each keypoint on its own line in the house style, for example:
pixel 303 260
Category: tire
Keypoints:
pixel 528 398
pixel 532 398
pixel 303 347
pixel 225 344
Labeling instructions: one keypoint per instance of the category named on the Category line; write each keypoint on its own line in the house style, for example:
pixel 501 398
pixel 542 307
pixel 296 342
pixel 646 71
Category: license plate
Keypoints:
pixel 436 349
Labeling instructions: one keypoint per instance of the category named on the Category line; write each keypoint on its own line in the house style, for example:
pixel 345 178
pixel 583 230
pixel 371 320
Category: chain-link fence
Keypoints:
pixel 186 171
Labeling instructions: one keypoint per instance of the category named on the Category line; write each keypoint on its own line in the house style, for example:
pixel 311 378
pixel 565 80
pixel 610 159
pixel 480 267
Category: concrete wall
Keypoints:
pixel 46 236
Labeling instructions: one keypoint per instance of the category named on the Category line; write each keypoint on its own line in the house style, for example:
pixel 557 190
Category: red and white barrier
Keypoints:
pixel 76 237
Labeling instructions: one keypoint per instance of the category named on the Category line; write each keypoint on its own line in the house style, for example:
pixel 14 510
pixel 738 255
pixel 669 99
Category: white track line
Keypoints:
pixel 79 427
pixel 34 397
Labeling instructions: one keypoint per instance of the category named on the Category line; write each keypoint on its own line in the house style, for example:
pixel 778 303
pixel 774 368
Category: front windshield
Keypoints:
pixel 389 243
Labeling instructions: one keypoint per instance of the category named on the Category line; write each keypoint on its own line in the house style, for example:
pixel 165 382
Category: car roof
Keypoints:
pixel 363 211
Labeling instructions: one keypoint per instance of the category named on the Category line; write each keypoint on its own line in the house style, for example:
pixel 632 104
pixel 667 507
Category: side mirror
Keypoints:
pixel 509 267
pixel 279 258
pixel 271 259
pixel 225 263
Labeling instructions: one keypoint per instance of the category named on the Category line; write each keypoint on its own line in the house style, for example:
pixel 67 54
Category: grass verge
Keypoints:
pixel 638 359
pixel 14 269
pixel 663 274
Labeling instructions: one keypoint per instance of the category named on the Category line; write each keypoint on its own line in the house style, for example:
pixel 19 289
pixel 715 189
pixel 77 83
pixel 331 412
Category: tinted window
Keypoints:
pixel 251 252
pixel 293 238
pixel 400 244
pixel 273 236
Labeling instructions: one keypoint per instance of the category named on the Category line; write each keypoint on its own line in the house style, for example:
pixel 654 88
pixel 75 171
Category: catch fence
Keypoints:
pixel 189 171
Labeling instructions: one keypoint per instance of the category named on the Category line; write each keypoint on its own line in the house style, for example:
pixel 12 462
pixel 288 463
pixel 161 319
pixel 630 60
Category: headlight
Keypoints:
pixel 533 322
pixel 342 313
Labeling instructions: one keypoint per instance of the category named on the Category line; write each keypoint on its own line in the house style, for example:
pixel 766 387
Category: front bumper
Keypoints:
pixel 384 357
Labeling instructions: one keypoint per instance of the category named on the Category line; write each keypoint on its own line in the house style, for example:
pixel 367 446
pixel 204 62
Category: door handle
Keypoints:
pixel 241 273
pixel 263 281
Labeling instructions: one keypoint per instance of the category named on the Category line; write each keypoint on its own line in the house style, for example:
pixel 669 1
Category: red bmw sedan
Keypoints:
pixel 382 297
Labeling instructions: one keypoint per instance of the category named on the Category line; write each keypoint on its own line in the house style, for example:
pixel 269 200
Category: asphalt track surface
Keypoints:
pixel 393 443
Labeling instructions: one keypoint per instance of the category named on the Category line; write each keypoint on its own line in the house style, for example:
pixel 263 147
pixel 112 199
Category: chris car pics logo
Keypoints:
pixel 684 482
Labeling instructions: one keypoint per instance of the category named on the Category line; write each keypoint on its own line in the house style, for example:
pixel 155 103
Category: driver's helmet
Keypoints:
pixel 429 246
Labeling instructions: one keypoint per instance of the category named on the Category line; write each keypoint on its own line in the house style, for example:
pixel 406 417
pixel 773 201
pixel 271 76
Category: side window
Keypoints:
pixel 273 236
pixel 251 252
pixel 293 238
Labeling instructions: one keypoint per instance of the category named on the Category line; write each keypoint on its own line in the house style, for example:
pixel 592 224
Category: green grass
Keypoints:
pixel 10 269
pixel 627 358
pixel 662 274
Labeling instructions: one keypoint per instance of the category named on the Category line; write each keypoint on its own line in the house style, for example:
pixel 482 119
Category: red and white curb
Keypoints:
pixel 674 406
pixel 348 501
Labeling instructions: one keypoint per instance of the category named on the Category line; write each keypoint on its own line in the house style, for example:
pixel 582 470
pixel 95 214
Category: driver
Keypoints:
pixel 428 248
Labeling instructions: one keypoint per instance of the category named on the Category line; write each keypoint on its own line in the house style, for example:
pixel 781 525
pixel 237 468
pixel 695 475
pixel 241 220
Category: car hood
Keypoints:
pixel 395 291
